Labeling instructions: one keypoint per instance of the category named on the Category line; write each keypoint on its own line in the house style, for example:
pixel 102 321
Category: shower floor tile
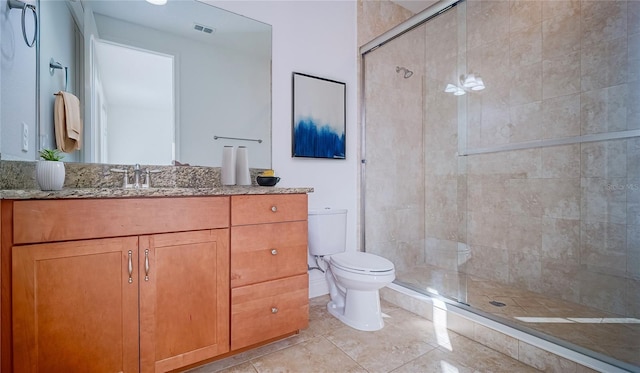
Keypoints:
pixel 600 331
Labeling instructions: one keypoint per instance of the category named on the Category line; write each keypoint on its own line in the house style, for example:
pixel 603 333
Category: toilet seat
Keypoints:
pixel 362 263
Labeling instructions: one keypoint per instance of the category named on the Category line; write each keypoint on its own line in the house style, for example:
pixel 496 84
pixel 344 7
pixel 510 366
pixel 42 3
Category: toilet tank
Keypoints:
pixel 327 231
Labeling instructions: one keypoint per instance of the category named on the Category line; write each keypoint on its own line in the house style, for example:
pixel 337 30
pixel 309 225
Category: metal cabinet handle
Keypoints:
pixel 274 310
pixel 130 266
pixel 274 252
pixel 274 208
pixel 146 264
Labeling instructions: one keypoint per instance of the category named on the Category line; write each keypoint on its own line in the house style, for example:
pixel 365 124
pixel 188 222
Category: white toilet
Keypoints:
pixel 354 278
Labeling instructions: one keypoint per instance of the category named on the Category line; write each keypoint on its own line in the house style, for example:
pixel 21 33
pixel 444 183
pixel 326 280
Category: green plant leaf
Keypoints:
pixel 51 154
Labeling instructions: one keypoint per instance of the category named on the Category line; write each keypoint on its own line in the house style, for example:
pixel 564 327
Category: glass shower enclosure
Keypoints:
pixel 501 148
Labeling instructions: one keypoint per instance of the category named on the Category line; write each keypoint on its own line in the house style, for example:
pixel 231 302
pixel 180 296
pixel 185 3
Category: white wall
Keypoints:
pixel 18 74
pixel 317 38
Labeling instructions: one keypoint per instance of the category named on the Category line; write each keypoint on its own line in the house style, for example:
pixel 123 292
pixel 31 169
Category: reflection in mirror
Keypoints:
pixel 134 106
pixel 217 67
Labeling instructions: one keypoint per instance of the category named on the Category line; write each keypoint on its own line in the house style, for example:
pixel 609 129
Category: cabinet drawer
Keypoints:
pixel 269 208
pixel 62 220
pixel 268 310
pixel 267 251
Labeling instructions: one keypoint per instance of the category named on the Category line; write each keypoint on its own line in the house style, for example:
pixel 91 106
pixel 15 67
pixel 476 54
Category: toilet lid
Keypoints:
pixel 363 262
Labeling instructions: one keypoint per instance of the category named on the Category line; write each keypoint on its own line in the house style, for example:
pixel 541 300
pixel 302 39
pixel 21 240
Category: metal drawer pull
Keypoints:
pixel 146 264
pixel 274 208
pixel 274 309
pixel 130 266
pixel 274 252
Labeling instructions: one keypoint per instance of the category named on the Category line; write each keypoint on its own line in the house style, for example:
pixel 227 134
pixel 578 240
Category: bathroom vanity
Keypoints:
pixel 133 283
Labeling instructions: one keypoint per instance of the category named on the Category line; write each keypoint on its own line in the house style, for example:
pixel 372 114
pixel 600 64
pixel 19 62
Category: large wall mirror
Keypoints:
pixel 157 83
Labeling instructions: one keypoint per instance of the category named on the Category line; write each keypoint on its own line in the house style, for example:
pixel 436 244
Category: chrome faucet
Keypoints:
pixel 137 177
pixel 137 172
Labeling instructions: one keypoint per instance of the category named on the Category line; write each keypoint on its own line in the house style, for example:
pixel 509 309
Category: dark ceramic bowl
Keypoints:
pixel 267 180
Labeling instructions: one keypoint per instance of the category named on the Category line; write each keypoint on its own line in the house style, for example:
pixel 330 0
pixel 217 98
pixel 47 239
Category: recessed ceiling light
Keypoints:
pixel 157 2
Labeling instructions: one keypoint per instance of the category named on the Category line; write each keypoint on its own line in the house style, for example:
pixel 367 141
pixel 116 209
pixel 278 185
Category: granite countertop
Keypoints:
pixel 83 180
pixel 79 193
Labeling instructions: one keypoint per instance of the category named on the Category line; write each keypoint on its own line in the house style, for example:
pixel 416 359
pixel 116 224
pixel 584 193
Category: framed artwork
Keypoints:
pixel 319 117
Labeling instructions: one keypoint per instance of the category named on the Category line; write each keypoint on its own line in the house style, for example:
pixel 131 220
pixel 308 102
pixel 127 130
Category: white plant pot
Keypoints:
pixel 50 175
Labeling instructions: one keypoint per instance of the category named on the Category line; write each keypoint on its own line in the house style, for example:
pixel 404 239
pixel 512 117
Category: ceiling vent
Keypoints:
pixel 206 29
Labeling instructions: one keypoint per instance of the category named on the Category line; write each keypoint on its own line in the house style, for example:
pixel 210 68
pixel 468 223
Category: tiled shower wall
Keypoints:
pixel 563 220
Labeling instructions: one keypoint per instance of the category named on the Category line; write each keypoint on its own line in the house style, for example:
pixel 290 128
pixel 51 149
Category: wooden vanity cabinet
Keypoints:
pixel 154 298
pixel 148 284
pixel 269 280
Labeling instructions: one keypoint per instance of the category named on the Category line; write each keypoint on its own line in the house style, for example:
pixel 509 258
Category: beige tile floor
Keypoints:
pixel 620 340
pixel 407 343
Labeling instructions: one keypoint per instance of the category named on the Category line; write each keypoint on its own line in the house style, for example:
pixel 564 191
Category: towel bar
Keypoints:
pixel 259 141
pixel 53 66
pixel 18 4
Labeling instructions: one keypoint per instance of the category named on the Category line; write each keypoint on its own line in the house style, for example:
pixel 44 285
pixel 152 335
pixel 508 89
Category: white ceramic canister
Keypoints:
pixel 242 166
pixel 228 172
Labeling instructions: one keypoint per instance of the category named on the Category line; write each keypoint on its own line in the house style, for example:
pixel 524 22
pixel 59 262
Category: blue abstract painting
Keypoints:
pixel 319 118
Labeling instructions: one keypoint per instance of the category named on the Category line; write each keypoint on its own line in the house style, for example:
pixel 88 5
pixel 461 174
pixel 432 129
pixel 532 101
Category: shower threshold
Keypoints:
pixel 553 337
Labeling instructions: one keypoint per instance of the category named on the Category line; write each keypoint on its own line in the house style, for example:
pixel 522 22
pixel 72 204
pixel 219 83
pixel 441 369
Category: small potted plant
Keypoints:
pixel 50 171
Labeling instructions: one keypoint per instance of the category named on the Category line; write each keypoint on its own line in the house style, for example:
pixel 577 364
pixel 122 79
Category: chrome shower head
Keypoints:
pixel 407 72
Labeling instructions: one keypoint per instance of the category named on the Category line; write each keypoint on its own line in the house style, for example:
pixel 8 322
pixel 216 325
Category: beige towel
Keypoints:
pixel 68 125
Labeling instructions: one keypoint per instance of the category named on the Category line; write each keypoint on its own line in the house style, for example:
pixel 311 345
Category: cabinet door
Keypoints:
pixel 184 302
pixel 75 306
